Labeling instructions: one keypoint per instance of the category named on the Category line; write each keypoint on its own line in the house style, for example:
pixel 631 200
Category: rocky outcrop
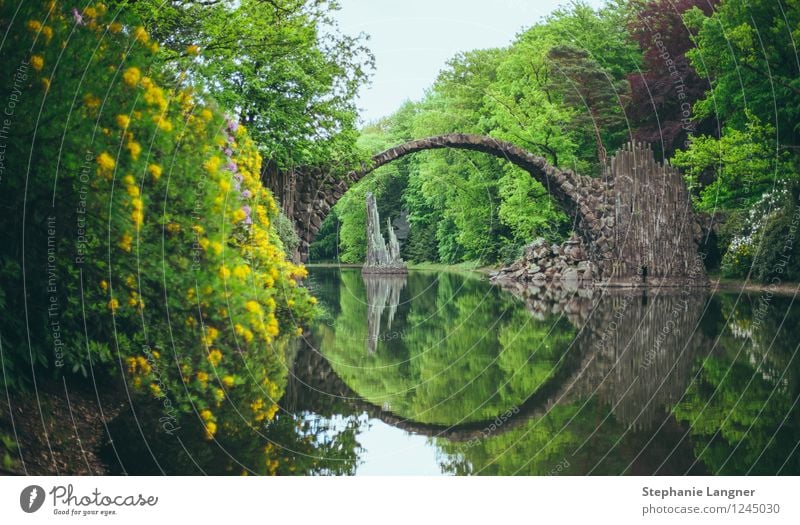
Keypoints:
pixel 561 266
pixel 381 258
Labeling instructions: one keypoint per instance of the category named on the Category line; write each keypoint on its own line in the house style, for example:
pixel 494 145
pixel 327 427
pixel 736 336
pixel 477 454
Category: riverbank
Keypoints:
pixel 716 282
pixel 737 285
pixel 465 268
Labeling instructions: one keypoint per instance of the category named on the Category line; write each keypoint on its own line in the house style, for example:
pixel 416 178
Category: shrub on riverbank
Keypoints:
pixel 766 245
pixel 138 235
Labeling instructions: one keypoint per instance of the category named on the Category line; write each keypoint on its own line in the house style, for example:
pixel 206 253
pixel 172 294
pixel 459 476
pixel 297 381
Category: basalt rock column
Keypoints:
pixel 380 257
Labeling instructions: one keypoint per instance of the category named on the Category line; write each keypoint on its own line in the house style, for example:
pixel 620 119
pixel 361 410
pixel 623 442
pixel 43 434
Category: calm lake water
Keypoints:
pixel 443 373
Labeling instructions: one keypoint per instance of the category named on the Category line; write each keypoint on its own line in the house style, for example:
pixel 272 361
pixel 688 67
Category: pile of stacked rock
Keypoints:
pixel 565 266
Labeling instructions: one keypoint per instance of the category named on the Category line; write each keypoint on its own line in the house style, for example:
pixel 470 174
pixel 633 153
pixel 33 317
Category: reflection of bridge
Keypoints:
pixel 634 352
pixel 635 220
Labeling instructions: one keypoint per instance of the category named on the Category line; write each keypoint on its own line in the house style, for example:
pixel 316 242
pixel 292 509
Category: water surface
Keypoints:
pixel 445 373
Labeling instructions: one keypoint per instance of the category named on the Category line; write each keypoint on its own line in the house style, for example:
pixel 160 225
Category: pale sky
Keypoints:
pixel 412 39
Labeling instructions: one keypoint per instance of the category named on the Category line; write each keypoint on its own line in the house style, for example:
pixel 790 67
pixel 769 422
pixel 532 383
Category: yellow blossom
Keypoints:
pixel 228 381
pixel 241 272
pixel 115 27
pixel 164 125
pixel 219 394
pixel 133 191
pixel 214 357
pixel 113 304
pixel 206 414
pixel 125 242
pixel 239 215
pixel 123 121
pixel 91 12
pixel 105 161
pixel 137 217
pixel 47 31
pixel 154 170
pixel 211 335
pixel 252 307
pixel 193 49
pixel 202 377
pixel 128 180
pixel 104 285
pixel 34 26
pixel 206 115
pixel 156 390
pixel 131 76
pixel 141 35
pixel 212 165
pixel 211 429
pixel 134 148
pixel 37 62
pixel 91 101
pixel 224 273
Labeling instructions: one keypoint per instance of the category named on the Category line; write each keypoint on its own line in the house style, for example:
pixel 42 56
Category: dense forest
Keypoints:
pixel 712 85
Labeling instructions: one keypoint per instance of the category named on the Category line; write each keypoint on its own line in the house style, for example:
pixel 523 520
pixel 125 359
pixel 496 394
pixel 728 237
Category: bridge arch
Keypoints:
pixel 317 193
pixel 635 222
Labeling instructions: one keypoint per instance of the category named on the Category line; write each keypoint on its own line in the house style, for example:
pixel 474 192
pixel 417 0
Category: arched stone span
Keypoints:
pixel 317 192
pixel 634 223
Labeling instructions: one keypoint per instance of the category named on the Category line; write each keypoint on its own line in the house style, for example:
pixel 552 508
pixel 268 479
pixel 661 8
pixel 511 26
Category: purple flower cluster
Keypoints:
pixel 77 16
pixel 231 166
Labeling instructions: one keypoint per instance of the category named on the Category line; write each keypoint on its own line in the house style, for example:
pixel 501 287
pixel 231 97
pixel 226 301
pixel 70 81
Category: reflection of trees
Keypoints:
pixel 465 354
pixel 468 354
pixel 742 411
pixel 637 353
pixel 292 444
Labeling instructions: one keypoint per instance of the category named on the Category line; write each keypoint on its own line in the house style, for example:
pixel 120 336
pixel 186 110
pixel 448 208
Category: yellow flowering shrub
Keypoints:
pixel 163 229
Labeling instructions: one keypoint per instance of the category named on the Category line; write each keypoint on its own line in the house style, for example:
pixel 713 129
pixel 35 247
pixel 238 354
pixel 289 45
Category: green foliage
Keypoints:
pixel 765 246
pixel 739 406
pixel 289 240
pixel 326 245
pixel 743 162
pixel 745 49
pixel 282 66
pixel 151 251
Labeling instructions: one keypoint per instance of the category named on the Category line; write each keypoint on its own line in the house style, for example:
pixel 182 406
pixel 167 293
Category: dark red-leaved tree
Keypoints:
pixel 663 93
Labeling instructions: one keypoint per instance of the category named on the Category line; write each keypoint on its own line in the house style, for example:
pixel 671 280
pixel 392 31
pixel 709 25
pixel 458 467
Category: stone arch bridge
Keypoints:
pixel 635 222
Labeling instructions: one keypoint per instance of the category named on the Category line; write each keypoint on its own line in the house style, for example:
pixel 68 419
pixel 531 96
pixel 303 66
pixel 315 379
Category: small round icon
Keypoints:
pixel 31 498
